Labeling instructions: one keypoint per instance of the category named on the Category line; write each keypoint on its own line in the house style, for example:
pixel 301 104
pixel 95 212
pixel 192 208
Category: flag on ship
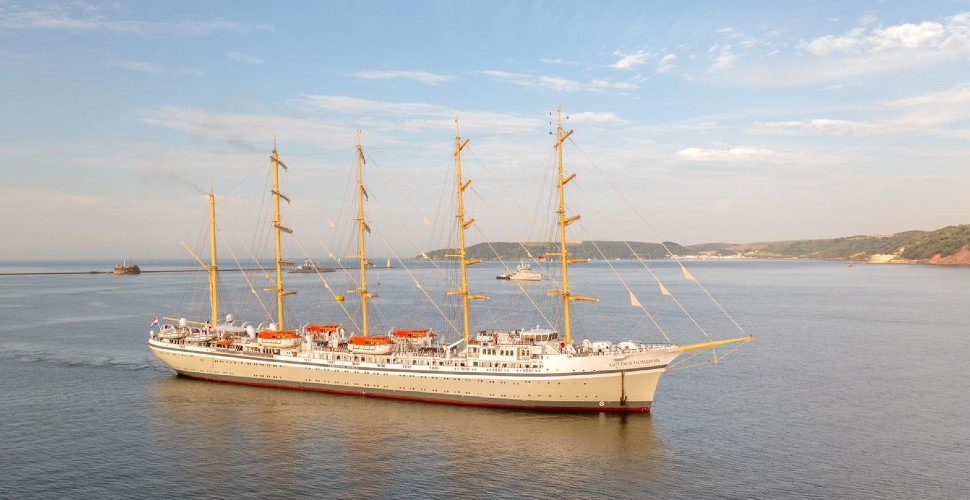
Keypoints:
pixel 154 322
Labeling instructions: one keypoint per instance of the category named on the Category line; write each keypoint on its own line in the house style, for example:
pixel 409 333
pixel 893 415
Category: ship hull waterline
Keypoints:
pixel 622 390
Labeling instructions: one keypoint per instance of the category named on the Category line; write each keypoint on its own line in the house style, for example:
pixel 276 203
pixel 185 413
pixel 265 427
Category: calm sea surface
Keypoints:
pixel 855 387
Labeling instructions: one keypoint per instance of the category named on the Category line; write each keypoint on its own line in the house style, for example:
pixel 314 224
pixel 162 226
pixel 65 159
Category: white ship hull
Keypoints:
pixel 605 382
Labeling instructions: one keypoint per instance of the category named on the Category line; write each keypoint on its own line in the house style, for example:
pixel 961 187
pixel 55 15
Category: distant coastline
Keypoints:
pixel 949 246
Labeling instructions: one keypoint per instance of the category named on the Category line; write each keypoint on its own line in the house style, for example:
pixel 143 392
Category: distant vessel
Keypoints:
pixel 310 267
pixel 388 265
pixel 126 268
pixel 523 272
pixel 535 368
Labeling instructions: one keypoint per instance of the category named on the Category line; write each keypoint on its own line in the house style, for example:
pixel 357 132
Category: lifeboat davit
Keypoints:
pixel 169 332
pixel 278 340
pixel 377 344
pixel 325 332
pixel 416 337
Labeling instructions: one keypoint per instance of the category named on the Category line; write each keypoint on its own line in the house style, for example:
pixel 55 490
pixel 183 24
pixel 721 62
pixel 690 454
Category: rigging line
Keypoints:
pixel 244 179
pixel 531 300
pixel 402 148
pixel 501 185
pixel 258 265
pixel 324 153
pixel 530 258
pixel 625 285
pixel 503 262
pixel 245 274
pixel 417 283
pixel 396 187
pixel 657 236
pixel 656 279
pixel 326 284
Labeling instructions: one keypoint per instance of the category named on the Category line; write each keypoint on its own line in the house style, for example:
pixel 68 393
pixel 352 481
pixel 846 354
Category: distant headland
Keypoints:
pixel 947 246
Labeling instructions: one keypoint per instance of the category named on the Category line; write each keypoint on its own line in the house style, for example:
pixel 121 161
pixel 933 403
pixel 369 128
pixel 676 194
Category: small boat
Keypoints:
pixel 523 272
pixel 310 267
pixel 388 265
pixel 126 268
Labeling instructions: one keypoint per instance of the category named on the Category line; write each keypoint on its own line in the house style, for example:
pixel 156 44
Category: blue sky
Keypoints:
pixel 717 121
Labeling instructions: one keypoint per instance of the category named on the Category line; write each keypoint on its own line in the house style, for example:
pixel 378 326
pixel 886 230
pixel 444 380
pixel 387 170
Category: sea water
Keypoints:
pixel 853 388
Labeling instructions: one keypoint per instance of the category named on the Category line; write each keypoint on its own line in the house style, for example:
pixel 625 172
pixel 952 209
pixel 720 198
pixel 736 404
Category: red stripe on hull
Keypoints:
pixel 605 409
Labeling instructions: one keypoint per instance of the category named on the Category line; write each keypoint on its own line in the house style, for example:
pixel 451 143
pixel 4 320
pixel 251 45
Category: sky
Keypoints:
pixel 694 122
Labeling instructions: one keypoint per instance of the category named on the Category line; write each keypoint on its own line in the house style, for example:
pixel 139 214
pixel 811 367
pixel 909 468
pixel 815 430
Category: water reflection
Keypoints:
pixel 297 442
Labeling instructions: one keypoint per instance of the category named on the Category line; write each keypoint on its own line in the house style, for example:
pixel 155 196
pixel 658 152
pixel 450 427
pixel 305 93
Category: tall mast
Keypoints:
pixel 564 221
pixel 213 267
pixel 280 228
pixel 462 225
pixel 362 228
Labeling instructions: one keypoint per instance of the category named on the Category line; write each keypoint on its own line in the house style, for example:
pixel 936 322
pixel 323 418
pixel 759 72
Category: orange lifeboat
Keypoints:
pixel 323 328
pixel 418 336
pixel 377 344
pixel 278 340
pixel 325 332
pixel 224 342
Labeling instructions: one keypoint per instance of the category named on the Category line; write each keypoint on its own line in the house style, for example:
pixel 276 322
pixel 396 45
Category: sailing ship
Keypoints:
pixel 523 272
pixel 126 268
pixel 534 368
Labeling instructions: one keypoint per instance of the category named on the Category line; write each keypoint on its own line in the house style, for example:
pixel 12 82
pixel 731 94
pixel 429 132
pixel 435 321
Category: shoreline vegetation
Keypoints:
pixel 947 246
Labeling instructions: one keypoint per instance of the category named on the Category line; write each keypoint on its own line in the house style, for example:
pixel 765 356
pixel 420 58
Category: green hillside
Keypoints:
pixel 596 250
pixel 905 246
pixel 943 242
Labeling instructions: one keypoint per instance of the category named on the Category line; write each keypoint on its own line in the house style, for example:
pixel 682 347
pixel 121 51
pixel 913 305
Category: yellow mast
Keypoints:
pixel 564 221
pixel 462 225
pixel 362 228
pixel 280 228
pixel 213 267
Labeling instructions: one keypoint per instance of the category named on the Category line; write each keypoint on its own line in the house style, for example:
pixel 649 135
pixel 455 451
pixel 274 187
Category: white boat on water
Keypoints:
pixel 523 272
pixel 538 368
pixel 310 267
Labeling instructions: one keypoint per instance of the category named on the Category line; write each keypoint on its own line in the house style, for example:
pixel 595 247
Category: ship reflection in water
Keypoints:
pixel 299 443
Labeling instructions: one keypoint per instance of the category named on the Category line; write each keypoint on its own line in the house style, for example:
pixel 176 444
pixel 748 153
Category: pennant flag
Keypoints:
pixel 154 322
pixel 687 274
pixel 663 290
pixel 633 301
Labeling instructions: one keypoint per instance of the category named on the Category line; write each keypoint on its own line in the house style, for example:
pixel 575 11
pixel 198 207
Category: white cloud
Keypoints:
pixel 243 58
pixel 958 95
pixel 740 153
pixel 331 129
pixel 630 61
pixel 558 83
pixel 80 17
pixel 420 76
pixel 927 38
pixel 937 114
pixel 140 66
pixel 724 60
pixel 666 63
